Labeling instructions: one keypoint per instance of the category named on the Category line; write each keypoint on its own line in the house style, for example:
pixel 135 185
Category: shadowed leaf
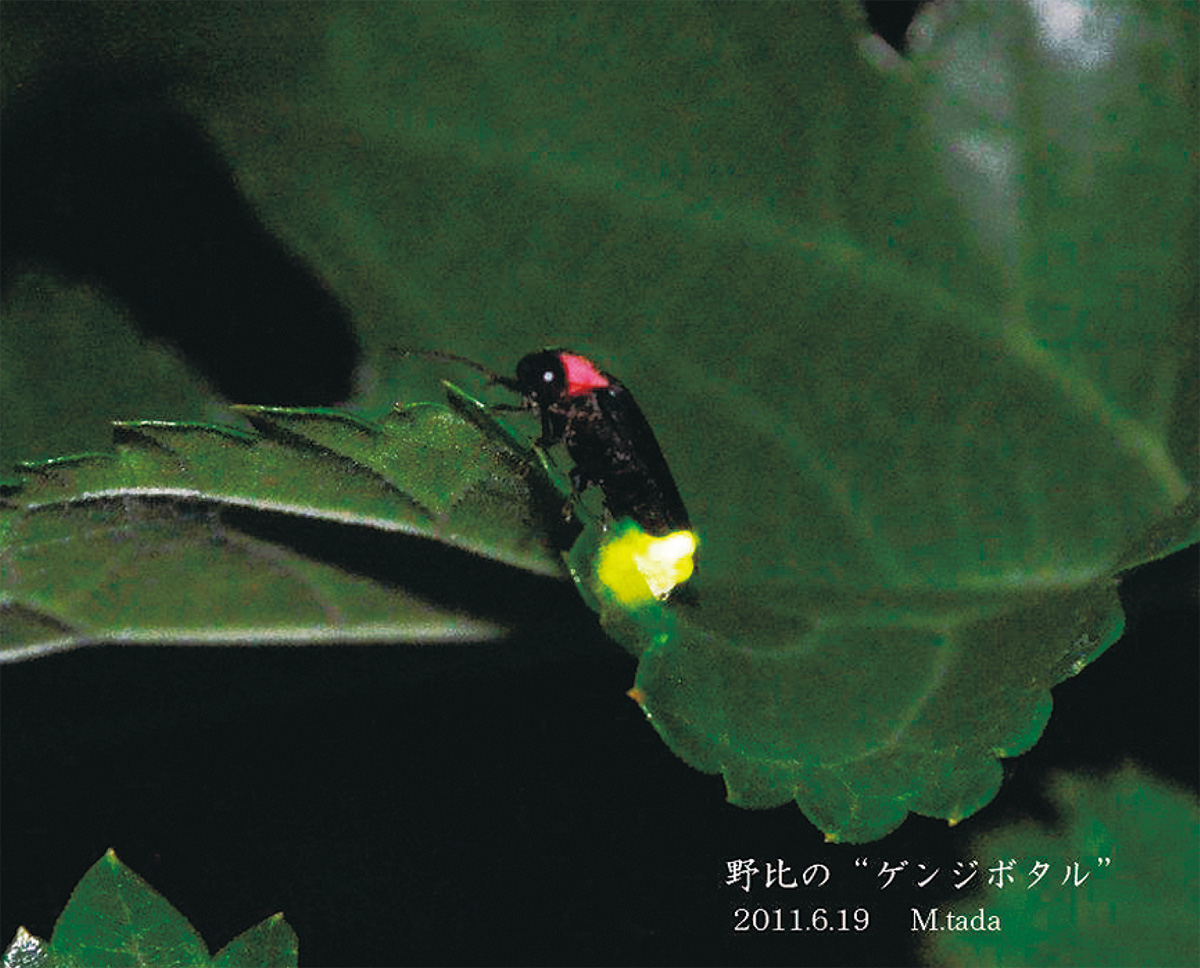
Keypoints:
pixel 196 533
pixel 1123 843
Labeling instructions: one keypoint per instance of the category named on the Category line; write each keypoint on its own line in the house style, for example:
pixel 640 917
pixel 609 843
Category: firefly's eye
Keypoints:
pixel 538 374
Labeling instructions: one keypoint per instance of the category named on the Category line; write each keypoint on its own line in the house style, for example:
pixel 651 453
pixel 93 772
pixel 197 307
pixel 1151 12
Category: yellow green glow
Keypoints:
pixel 638 568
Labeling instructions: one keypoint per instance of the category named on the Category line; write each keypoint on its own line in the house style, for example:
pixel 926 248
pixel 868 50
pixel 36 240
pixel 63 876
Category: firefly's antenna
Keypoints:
pixel 493 377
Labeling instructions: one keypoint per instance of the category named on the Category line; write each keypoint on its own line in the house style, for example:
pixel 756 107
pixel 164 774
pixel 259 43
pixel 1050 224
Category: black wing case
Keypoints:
pixel 639 483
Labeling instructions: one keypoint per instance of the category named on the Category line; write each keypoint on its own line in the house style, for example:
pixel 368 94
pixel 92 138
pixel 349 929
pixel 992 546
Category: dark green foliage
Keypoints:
pixel 116 919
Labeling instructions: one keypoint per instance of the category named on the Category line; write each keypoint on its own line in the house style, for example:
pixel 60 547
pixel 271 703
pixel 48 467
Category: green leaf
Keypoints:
pixel 1136 842
pixel 114 918
pixel 882 705
pixel 271 943
pixel 152 544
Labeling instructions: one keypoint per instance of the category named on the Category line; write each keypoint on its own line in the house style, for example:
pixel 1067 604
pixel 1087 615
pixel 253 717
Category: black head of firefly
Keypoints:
pixel 551 377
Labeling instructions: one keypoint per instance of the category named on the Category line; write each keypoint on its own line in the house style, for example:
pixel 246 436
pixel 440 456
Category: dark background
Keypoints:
pixel 492 804
pixel 484 804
